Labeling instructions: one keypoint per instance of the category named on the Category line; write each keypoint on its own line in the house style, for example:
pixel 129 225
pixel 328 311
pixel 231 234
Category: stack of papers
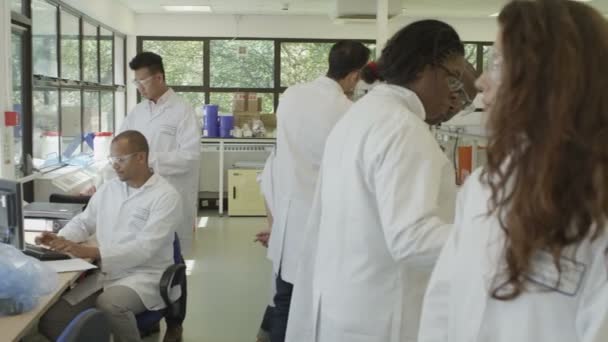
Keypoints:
pixel 70 265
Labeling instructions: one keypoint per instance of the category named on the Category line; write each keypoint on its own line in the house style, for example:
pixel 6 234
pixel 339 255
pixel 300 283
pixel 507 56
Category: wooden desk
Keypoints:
pixel 13 328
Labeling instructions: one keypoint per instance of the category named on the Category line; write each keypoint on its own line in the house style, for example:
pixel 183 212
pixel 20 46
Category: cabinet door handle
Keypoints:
pixel 234 192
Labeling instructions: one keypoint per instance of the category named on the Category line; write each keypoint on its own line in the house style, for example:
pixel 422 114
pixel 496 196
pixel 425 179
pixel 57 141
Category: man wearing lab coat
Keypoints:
pixel 169 124
pixel 134 217
pixel 305 116
pixel 384 199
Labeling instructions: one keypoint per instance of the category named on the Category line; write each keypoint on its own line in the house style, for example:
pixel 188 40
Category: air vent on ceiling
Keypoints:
pixel 361 10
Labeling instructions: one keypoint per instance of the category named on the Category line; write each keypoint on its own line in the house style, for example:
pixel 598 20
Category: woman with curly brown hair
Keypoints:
pixel 527 258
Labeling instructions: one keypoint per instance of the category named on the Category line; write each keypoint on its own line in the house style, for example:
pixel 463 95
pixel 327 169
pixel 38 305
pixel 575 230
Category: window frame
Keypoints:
pixel 22 21
pixel 479 50
pixel 206 88
pixel 42 82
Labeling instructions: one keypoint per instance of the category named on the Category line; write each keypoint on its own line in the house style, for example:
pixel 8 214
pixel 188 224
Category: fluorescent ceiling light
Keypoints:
pixel 172 8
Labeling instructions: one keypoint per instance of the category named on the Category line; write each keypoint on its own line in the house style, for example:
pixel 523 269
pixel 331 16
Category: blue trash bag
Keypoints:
pixel 23 280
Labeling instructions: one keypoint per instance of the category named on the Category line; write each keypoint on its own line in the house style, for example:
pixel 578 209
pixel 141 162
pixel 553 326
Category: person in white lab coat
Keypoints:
pixel 134 217
pixel 265 180
pixel 385 197
pixel 369 79
pixel 169 124
pixel 527 259
pixel 305 116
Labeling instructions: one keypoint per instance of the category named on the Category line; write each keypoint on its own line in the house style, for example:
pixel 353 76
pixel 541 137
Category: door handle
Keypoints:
pixel 234 192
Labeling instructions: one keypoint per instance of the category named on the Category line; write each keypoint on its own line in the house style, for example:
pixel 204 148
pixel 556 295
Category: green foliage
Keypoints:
pixel 242 63
pixel 89 53
pixel 196 100
pixel 303 62
pixel 105 54
pixel 17 64
pixel 470 53
pixel 183 60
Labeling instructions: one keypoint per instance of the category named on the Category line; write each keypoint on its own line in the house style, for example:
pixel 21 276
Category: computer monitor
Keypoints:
pixel 11 214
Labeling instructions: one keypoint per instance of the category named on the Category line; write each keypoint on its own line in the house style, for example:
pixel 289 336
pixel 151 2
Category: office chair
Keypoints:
pixel 90 325
pixel 174 276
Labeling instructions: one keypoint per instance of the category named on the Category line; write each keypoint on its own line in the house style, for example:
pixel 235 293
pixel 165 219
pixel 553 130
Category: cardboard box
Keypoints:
pixel 246 102
pixel 239 102
pixel 254 105
pixel 242 118
pixel 269 120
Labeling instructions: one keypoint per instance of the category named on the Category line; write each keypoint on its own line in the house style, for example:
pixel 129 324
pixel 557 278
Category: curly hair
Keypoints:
pixel 548 146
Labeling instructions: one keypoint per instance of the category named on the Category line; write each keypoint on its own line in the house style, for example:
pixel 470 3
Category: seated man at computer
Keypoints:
pixel 135 217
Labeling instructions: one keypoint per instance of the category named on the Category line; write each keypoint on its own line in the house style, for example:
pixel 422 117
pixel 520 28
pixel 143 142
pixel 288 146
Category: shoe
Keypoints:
pixel 173 334
pixel 263 336
pixel 153 330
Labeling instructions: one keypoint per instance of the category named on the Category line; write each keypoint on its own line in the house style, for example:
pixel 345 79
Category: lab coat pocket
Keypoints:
pixel 169 130
pixel 139 218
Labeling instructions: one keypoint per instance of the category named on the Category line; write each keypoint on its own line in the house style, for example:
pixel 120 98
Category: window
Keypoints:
pixel 486 55
pixel 89 50
pixel 17 63
pixel 196 100
pixel 71 135
pixel 119 60
pixel 17 6
pixel 242 63
pixel 302 62
pixel 477 54
pixel 224 101
pixel 90 119
pixel 107 111
pixel 70 46
pixel 183 60
pixel 44 38
pixel 470 53
pixel 210 70
pixel 46 127
pixel 105 56
pixel 120 111
pixel 83 102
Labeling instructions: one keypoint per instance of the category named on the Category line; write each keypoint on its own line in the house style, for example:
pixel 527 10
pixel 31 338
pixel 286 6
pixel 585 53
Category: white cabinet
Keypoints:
pixel 244 195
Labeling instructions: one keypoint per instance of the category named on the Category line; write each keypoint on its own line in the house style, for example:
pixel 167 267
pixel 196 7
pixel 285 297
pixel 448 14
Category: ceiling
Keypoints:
pixel 417 8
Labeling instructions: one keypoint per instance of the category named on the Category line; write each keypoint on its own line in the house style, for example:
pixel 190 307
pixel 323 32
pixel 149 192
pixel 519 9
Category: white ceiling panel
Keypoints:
pixel 413 8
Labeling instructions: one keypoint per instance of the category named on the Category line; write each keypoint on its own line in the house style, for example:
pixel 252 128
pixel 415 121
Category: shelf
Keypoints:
pixel 239 140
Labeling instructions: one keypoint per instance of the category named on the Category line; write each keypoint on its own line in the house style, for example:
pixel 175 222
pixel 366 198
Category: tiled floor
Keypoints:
pixel 229 284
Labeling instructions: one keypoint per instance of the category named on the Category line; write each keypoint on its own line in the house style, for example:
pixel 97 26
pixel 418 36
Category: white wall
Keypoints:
pixel 277 26
pixel 280 26
pixel 473 29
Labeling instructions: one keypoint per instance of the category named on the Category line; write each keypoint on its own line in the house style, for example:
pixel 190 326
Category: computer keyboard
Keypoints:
pixel 44 254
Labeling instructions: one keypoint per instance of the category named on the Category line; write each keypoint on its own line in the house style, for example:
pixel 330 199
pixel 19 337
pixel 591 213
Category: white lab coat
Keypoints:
pixel 386 195
pixel 306 114
pixel 266 180
pixel 174 138
pixel 135 234
pixel 458 305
